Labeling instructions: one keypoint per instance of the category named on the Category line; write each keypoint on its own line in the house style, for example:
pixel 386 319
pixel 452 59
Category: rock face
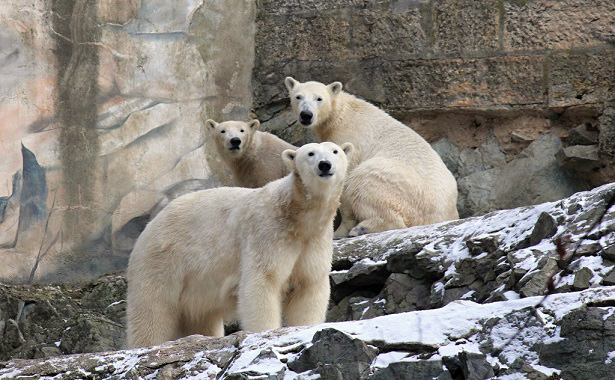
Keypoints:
pixel 437 301
pixel 106 99
pixel 502 255
pixel 44 321
pixel 461 340
pixel 496 89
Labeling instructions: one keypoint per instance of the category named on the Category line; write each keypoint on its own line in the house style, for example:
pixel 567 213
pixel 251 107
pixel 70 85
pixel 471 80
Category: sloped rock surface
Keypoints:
pixel 502 255
pixel 477 341
pixel 436 301
pixel 43 321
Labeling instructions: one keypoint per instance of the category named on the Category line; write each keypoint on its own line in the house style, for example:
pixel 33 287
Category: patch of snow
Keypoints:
pixel 383 300
pixel 546 370
pixel 513 376
pixel 363 312
pixel 385 359
pixel 58 343
pixel 610 357
pixel 468 295
pixel 609 311
pixel 511 295
pixel 116 303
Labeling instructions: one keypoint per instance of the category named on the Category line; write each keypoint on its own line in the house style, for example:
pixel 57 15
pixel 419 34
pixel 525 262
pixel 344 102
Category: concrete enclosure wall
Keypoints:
pixel 102 103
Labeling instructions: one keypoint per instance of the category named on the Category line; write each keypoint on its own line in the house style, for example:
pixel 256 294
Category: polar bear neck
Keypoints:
pixel 303 211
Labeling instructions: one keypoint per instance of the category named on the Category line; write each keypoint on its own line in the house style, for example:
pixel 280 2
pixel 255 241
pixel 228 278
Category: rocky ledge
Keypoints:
pixel 437 301
pixel 568 335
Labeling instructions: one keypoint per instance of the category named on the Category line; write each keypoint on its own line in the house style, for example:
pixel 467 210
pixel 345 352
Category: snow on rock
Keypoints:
pixel 502 255
pixel 462 333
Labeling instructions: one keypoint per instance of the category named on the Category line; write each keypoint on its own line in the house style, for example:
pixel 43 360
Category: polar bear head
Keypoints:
pixel 319 166
pixel 312 101
pixel 233 138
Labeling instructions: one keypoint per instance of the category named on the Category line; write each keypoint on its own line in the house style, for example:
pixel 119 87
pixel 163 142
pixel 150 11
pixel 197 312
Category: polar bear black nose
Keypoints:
pixel 306 116
pixel 324 166
pixel 235 142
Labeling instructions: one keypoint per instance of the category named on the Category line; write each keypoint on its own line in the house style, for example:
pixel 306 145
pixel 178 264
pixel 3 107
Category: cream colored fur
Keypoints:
pixel 395 179
pixel 263 255
pixel 258 160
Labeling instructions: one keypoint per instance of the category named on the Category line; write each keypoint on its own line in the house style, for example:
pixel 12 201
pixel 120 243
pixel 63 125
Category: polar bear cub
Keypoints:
pixel 254 157
pixel 262 255
pixel 395 179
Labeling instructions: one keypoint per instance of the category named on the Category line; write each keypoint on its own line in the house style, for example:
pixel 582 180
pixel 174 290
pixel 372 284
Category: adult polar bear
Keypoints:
pixel 395 179
pixel 254 157
pixel 262 253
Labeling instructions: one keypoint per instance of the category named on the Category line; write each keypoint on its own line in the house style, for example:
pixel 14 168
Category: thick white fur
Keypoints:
pixel 257 162
pixel 263 255
pixel 395 179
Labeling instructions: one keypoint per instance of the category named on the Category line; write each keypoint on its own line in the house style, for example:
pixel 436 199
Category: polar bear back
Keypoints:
pixel 375 133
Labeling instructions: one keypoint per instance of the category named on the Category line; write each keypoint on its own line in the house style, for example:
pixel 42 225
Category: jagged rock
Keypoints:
pixel 584 134
pixel 610 278
pixel 608 253
pixel 412 370
pixel 475 366
pixel 480 244
pixel 535 283
pixel 582 158
pixel 404 293
pixel 546 227
pixel 587 347
pixel 72 319
pixel 351 356
pixel 582 279
pixel 438 344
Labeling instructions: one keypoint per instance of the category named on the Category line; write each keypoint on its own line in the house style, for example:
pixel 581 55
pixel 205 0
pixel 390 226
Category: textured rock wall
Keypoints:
pixel 497 87
pixel 101 107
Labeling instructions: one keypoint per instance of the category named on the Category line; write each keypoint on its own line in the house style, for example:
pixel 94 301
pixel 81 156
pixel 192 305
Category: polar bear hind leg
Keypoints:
pixel 383 194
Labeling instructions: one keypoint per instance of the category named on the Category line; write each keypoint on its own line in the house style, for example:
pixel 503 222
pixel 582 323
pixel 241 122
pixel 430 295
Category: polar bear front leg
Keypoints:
pixel 307 303
pixel 259 303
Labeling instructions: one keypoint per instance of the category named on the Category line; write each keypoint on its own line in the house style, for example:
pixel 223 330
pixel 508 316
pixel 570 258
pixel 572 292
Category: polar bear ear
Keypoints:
pixel 290 83
pixel 348 149
pixel 335 88
pixel 254 125
pixel 210 124
pixel 289 159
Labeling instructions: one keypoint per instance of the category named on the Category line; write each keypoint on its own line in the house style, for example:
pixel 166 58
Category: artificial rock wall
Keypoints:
pixel 496 86
pixel 102 103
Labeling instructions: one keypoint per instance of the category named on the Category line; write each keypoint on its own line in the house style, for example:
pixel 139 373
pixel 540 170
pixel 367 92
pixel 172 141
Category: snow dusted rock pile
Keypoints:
pixel 49 320
pixel 572 331
pixel 502 255
pixel 436 301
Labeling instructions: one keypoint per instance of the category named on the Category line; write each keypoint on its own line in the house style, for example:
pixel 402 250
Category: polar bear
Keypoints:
pixel 395 178
pixel 254 157
pixel 262 255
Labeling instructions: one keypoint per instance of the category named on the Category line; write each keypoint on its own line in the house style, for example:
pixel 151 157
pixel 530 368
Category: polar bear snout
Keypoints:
pixel 325 168
pixel 306 117
pixel 235 143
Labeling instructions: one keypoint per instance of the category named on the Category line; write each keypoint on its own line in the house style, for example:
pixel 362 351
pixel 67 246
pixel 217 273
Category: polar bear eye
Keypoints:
pixel 311 154
pixel 298 97
pixel 242 131
pixel 319 99
pixel 335 152
pixel 222 131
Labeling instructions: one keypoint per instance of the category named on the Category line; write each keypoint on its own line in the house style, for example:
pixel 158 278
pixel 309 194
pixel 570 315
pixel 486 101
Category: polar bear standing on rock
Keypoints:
pixel 262 255
pixel 395 178
pixel 254 157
